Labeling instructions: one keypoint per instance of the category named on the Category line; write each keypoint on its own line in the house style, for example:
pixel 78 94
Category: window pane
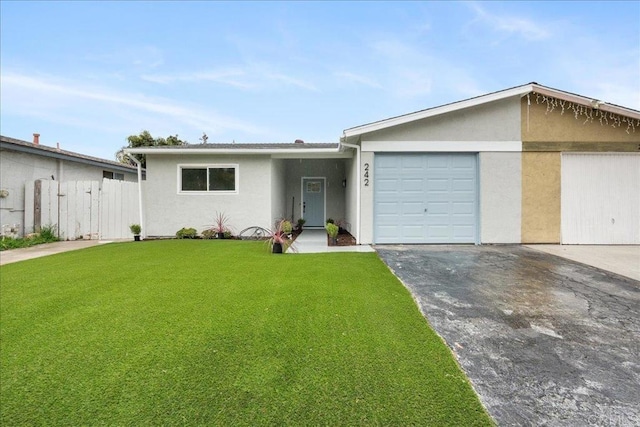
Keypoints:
pixel 194 180
pixel 222 179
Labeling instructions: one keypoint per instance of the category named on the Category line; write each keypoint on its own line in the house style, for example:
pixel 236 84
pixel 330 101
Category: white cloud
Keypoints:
pixel 509 24
pixel 255 76
pixel 52 99
pixel 358 78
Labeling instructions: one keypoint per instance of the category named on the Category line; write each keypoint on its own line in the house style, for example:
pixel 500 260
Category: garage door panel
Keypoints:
pixel 438 208
pixel 463 208
pixel 462 232
pixel 437 161
pixel 442 183
pixel 463 185
pixel 412 186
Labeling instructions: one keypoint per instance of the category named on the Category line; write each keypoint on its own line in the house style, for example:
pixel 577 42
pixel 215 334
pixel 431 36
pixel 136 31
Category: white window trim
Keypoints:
pixel 181 166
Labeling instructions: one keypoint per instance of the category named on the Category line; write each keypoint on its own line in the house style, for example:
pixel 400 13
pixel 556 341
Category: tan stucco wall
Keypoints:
pixel 554 131
pixel 540 198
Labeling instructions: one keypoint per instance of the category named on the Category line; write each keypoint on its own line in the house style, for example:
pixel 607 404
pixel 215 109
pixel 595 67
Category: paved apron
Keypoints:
pixel 544 340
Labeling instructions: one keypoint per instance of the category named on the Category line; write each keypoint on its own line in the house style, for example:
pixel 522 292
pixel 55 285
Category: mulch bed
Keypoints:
pixel 344 239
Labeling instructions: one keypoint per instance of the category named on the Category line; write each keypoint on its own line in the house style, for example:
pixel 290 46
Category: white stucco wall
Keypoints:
pixel 500 197
pixel 166 211
pixel 351 195
pixel 496 121
pixel 278 197
pixel 366 196
pixel 334 172
pixel 17 168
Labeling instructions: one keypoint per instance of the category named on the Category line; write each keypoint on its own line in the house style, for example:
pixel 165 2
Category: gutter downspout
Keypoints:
pixel 358 201
pixel 139 165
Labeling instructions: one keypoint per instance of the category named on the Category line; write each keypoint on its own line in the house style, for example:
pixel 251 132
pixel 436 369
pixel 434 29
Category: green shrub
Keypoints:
pixel 286 227
pixel 330 221
pixel 135 229
pixel 332 230
pixel 209 233
pixel 48 234
pixel 186 233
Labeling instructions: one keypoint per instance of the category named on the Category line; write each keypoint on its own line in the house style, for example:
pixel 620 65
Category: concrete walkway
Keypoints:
pixel 315 241
pixel 15 255
pixel 623 260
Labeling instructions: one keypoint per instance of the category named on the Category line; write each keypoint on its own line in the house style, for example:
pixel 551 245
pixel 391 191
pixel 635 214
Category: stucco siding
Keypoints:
pixel 351 195
pixel 553 130
pixel 366 196
pixel 500 197
pixel 496 121
pixel 541 180
pixel 166 211
pixel 278 203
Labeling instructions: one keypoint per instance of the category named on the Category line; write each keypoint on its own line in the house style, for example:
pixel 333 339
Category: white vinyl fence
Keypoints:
pixel 83 209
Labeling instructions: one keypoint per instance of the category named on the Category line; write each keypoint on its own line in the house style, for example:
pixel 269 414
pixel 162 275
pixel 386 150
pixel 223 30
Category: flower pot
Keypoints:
pixel 334 241
pixel 277 248
pixel 219 235
pixel 136 238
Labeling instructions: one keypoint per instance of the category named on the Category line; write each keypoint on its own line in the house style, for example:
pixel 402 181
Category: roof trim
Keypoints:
pixel 14 144
pixel 491 97
pixel 230 150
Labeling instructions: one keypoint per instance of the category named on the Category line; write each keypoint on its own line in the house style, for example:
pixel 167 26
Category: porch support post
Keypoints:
pixel 358 201
pixel 139 165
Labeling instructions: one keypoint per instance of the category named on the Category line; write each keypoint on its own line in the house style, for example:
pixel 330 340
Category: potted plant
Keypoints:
pixel 221 226
pixel 279 240
pixel 301 222
pixel 135 230
pixel 332 231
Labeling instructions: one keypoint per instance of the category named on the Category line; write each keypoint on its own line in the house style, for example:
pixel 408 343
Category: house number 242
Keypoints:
pixel 366 174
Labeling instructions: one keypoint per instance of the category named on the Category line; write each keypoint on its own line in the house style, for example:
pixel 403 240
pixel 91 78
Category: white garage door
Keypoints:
pixel 601 199
pixel 425 198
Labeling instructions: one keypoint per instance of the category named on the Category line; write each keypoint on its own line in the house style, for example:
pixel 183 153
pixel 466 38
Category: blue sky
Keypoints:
pixel 88 74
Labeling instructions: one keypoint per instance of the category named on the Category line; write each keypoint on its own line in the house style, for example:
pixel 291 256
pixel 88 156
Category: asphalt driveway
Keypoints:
pixel 544 340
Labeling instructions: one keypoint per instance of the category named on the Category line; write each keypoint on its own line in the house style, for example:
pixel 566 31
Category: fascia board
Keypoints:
pixel 517 91
pixel 441 146
pixel 267 152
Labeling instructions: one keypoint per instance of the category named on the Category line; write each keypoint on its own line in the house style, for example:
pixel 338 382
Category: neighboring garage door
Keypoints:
pixel 601 199
pixel 425 198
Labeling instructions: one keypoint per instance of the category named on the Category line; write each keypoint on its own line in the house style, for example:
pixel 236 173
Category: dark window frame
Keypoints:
pixel 208 187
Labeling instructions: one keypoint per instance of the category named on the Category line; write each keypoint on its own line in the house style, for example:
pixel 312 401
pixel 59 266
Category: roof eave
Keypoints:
pixel 496 96
pixel 407 118
pixel 64 155
pixel 266 151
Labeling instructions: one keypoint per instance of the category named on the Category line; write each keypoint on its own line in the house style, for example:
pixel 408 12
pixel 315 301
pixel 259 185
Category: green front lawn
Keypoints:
pixel 209 332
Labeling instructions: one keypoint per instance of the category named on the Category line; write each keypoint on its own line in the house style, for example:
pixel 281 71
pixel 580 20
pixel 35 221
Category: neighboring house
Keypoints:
pixel 22 163
pixel 530 164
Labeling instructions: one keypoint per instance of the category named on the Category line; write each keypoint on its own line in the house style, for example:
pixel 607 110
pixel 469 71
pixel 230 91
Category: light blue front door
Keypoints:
pixel 425 198
pixel 313 202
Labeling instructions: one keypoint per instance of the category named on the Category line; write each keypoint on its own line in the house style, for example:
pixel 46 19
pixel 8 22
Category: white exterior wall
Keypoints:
pixel 351 195
pixel 500 197
pixel 166 211
pixel 366 196
pixel 278 199
pixel 17 168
